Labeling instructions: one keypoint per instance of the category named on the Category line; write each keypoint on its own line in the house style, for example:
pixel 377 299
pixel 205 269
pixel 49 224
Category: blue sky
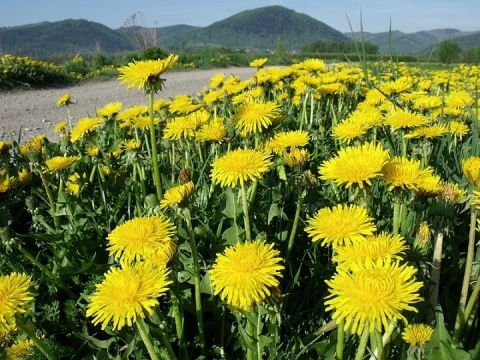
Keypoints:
pixel 377 15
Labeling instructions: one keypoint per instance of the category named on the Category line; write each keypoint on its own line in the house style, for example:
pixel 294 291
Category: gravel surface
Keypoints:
pixel 33 112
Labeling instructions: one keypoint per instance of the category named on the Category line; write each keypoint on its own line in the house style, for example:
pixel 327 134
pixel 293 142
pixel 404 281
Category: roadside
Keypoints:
pixel 28 113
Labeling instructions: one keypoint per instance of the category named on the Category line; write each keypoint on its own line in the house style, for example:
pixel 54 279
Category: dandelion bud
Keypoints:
pixel 423 236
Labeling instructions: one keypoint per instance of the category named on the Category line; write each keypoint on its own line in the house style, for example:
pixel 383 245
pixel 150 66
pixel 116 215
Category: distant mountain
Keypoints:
pixel 420 42
pixel 260 28
pixel 257 29
pixel 167 32
pixel 60 38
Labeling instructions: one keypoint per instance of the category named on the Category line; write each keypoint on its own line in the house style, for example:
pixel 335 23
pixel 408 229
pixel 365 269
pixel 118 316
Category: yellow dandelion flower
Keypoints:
pixel 343 224
pixel 284 141
pixel 110 109
pixel 372 294
pixel 83 127
pixel 24 177
pixel 60 163
pixel 402 119
pixel 131 144
pixel 255 117
pixel 61 126
pixel 64 100
pixel 5 147
pixel 312 65
pixel 402 84
pixel 423 236
pixel 33 146
pixel 258 63
pixel 176 195
pixel 146 74
pixel 427 132
pixel 128 293
pixel 14 299
pixel 92 151
pixel 402 172
pixel 349 130
pixel 374 247
pixel 417 334
pixel 239 166
pixel 181 127
pixel 21 349
pixel 245 274
pixel 147 238
pixel 215 130
pixel 296 158
pixel 184 104
pixel 72 185
pixel 471 170
pixel 217 81
pixel 133 112
pixel 428 185
pixel 458 129
pixel 459 99
pixel 143 122
pixel 355 165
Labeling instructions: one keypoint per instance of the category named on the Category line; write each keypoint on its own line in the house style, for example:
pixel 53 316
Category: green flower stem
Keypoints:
pixel 340 341
pixel 196 269
pixel 177 315
pixel 153 139
pixel 397 212
pixel 69 118
pixel 295 225
pixel 469 308
pixel 246 217
pixel 144 334
pixel 435 273
pixel 51 201
pixel 363 343
pixel 250 330
pixel 38 343
pixel 46 271
pixel 461 315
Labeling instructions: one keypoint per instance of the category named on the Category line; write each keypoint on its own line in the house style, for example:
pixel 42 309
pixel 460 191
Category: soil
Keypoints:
pixel 28 113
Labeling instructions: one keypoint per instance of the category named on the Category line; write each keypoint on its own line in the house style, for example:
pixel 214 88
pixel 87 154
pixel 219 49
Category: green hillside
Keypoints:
pixel 260 28
pixel 421 42
pixel 60 38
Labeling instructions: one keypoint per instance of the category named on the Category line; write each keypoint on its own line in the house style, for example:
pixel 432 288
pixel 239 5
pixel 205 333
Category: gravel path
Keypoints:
pixel 34 112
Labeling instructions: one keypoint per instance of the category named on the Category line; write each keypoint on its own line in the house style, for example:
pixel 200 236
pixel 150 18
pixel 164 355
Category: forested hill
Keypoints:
pixel 261 28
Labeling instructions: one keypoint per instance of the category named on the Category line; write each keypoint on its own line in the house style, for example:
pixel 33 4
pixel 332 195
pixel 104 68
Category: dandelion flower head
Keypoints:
pixel 355 165
pixel 417 334
pixel 237 167
pixel 143 238
pixel 245 274
pixel 340 225
pixel 127 293
pixel 372 294
pixel 60 163
pixel 177 195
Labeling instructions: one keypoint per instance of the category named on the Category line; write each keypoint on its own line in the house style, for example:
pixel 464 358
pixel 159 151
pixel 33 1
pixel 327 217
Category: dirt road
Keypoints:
pixel 33 112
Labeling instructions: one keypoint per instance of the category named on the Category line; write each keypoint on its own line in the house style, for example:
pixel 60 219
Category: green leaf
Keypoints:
pixel 230 205
pixel 275 211
pixel 232 234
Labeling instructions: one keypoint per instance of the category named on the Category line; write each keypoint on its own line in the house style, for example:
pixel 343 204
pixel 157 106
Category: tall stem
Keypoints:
pixel 397 209
pixel 435 274
pixel 196 269
pixel 363 343
pixel 142 329
pixel 153 139
pixel 51 201
pixel 250 330
pixel 340 340
pixel 461 318
pixel 295 225
pixel 246 217
pixel 38 343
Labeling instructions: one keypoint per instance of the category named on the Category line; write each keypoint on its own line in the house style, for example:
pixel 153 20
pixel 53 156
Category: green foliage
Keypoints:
pixel 449 52
pixel 23 72
pixel 346 47
pixel 54 224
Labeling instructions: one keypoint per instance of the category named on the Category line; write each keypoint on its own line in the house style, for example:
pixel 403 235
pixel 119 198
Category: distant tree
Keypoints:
pixel 471 55
pixel 449 52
